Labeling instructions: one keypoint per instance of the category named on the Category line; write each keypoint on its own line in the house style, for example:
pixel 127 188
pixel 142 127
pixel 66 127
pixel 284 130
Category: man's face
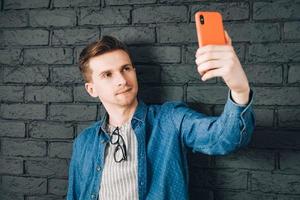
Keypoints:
pixel 114 79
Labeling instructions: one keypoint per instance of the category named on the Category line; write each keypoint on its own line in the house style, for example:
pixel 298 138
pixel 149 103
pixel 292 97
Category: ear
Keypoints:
pixel 90 89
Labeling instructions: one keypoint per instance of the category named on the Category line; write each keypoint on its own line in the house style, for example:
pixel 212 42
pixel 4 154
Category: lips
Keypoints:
pixel 123 91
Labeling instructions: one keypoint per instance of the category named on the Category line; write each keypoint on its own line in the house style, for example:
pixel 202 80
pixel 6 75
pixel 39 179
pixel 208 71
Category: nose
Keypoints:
pixel 120 80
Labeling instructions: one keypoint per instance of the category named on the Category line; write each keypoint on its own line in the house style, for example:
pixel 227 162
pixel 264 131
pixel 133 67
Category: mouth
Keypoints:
pixel 123 91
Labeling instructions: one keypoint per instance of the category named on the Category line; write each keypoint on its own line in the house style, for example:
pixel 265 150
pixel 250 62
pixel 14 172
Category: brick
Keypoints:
pixel 278 52
pixel 45 197
pixel 289 162
pixel 293 74
pixel 72 112
pixel 47 94
pixel 11 93
pixel 237 195
pixel 60 149
pixel 47 167
pixel 291 30
pixel 289 118
pixel 12 129
pixel 58 186
pixel 65 75
pixel 194 194
pixel 11 166
pixel 131 2
pixel 48 56
pixel 50 130
pixel 108 15
pixel 185 33
pixel 74 36
pixel 10 56
pixel 229 11
pixel 131 35
pixel 4 195
pixel 207 94
pixel 13 19
pixel 148 73
pixel 159 14
pixel 288 197
pixel 279 183
pixel 277 95
pixel 264 117
pixel 23 111
pixel 15 4
pixel 279 9
pixel 56 17
pixel 164 93
pixel 161 54
pixel 24 37
pixel 23 147
pixel 75 3
pixel 77 52
pixel 26 74
pixel 253 32
pixel 247 159
pixel 264 73
pixel 81 95
pixel 25 185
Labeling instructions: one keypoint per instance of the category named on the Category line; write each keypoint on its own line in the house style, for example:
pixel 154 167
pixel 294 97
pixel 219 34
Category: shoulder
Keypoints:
pixel 87 134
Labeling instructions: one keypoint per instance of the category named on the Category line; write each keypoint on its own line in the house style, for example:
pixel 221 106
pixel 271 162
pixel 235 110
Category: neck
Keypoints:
pixel 121 115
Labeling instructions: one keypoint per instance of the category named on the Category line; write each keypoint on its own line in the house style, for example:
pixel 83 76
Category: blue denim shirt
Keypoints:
pixel 164 133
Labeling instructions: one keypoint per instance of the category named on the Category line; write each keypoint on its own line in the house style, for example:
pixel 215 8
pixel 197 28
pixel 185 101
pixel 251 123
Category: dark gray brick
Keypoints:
pixel 14 147
pixel 159 14
pixel 57 17
pixel 58 186
pixel 74 36
pixel 248 159
pixel 124 2
pixel 162 94
pixel 207 94
pixel 264 73
pixel 16 4
pixel 26 74
pixel 11 166
pixel 161 54
pixel 48 56
pixel 224 194
pixel 12 128
pixel 5 195
pixel 72 112
pixel 50 130
pixel 45 197
pixel 253 32
pixel 108 15
pixel 293 74
pixel 48 94
pixel 24 37
pixel 291 30
pixel 25 185
pixel 274 52
pixel 77 3
pixel 277 96
pixel 229 11
pixel 81 95
pixel 60 149
pixel 288 197
pixel 131 35
pixel 47 167
pixel 280 9
pixel 77 52
pixel 184 33
pixel 11 93
pixel 279 183
pixel 289 118
pixel 148 73
pixel 264 117
pixel 10 56
pixel 289 162
pixel 13 19
pixel 66 75
pixel 23 111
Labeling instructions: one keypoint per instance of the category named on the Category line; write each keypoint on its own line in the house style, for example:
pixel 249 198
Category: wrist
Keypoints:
pixel 241 97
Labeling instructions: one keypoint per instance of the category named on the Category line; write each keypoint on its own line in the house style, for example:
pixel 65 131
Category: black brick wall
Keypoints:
pixel 43 104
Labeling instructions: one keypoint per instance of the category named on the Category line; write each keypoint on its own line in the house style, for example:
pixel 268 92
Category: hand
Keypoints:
pixel 221 60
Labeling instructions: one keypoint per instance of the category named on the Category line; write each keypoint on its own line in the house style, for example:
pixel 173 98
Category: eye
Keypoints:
pixel 127 68
pixel 106 75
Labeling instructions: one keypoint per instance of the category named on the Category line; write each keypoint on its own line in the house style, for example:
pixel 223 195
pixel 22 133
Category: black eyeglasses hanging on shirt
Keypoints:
pixel 120 150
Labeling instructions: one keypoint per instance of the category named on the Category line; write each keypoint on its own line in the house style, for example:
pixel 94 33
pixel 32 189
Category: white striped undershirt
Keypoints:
pixel 119 180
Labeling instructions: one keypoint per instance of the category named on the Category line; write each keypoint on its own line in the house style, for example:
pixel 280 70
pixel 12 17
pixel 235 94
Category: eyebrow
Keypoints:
pixel 121 67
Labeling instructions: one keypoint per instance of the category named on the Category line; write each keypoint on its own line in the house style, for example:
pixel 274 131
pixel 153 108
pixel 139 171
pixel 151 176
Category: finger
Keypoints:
pixel 213 48
pixel 200 59
pixel 228 39
pixel 209 65
pixel 213 73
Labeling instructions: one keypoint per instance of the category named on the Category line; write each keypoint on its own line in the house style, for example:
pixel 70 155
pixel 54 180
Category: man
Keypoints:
pixel 138 151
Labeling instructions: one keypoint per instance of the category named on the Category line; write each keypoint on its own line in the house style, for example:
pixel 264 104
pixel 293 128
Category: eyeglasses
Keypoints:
pixel 120 150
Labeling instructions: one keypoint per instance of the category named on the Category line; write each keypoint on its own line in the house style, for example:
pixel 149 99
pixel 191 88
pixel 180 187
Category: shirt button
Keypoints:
pixel 98 168
pixel 142 183
pixel 93 196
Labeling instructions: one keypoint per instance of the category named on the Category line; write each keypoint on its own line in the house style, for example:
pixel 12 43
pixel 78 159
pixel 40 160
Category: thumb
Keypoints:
pixel 228 39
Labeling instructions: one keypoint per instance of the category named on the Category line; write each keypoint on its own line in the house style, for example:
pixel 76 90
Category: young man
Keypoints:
pixel 138 151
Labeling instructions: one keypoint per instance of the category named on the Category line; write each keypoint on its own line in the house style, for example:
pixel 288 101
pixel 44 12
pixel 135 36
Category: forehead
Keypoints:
pixel 109 61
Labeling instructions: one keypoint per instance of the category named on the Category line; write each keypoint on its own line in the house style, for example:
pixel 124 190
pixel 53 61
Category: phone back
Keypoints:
pixel 209 28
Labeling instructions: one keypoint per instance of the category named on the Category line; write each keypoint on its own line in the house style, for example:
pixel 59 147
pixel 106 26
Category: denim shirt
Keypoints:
pixel 164 134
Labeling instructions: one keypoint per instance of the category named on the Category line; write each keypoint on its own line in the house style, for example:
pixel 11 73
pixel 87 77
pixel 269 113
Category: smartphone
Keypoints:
pixel 209 28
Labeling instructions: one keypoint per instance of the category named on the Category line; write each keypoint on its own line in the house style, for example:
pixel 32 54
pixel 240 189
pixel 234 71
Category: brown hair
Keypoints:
pixel 99 47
